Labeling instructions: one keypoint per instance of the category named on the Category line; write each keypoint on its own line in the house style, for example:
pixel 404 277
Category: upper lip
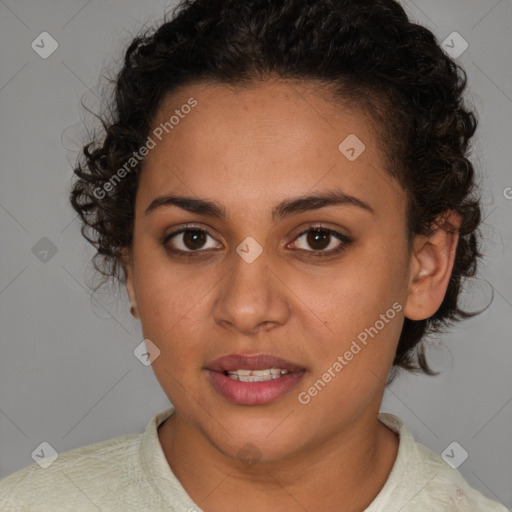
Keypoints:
pixel 251 362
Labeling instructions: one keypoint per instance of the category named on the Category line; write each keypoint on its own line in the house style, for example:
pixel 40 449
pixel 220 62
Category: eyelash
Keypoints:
pixel 316 254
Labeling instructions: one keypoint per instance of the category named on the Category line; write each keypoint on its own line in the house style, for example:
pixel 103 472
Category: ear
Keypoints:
pixel 127 264
pixel 432 262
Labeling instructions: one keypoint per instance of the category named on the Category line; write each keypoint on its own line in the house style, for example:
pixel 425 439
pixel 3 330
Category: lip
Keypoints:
pixel 252 393
pixel 251 362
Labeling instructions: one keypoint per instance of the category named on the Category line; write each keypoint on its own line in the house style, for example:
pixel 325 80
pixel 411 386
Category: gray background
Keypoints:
pixel 68 375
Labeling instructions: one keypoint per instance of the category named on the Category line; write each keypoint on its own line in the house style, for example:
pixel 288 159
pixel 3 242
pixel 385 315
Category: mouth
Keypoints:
pixel 256 375
pixel 253 363
pixel 253 379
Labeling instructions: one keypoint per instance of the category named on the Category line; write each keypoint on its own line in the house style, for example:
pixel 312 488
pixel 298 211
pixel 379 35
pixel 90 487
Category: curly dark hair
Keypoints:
pixel 368 53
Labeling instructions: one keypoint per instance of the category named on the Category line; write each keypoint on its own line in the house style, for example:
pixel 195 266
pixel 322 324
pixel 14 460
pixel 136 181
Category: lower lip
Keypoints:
pixel 253 393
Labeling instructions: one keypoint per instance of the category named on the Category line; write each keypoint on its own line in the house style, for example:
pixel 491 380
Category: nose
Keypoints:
pixel 251 298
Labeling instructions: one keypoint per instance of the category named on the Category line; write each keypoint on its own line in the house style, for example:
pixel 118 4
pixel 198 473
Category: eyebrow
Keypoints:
pixel 284 209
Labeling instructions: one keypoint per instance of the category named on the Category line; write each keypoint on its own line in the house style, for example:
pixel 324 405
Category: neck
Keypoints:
pixel 323 477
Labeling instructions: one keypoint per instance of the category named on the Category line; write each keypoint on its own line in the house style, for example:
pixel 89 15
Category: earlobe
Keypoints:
pixel 432 261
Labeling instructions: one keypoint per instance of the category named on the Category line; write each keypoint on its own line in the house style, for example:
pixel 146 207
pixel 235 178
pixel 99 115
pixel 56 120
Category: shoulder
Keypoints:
pixel 422 480
pixel 73 477
pixel 448 488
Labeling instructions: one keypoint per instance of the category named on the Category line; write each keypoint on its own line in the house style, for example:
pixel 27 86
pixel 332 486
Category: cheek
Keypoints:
pixel 352 295
pixel 171 306
pixel 357 309
pixel 173 303
pixel 169 303
pixel 161 296
pixel 355 345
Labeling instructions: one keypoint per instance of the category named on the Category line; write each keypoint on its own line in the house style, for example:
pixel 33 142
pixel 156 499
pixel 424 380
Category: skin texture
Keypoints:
pixel 250 148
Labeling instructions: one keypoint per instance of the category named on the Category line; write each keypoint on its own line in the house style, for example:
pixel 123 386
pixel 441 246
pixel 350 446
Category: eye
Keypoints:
pixel 187 240
pixel 320 239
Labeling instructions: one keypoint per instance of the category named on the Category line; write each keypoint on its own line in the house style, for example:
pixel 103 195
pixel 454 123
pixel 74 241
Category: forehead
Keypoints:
pixel 261 143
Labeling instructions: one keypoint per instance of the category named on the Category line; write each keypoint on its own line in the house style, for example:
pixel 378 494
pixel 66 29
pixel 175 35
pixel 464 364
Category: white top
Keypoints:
pixel 131 473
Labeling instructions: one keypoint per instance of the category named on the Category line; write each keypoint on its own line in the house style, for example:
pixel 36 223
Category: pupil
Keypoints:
pixel 315 236
pixel 191 238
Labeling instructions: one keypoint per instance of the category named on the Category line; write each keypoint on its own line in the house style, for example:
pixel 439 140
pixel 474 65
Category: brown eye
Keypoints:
pixel 194 240
pixel 318 239
pixel 188 241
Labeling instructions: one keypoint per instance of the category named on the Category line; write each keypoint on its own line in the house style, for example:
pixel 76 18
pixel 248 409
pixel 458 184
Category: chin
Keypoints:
pixel 257 447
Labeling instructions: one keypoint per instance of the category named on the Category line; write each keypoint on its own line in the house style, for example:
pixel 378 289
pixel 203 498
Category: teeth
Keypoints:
pixel 260 373
pixel 256 375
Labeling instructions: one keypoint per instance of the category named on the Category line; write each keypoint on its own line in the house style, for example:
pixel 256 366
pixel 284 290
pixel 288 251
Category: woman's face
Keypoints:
pixel 251 282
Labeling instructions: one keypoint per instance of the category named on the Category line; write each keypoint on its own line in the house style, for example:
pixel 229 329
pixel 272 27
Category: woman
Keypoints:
pixel 284 189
